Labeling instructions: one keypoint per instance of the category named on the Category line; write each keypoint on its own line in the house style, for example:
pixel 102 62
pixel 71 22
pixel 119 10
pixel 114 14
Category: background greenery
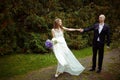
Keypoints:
pixel 26 24
pixel 17 64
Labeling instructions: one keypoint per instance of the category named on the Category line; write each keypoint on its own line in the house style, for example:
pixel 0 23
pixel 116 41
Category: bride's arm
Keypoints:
pixel 53 34
pixel 69 29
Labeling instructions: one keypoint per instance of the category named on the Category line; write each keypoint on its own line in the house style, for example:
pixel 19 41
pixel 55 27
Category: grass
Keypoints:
pixel 17 64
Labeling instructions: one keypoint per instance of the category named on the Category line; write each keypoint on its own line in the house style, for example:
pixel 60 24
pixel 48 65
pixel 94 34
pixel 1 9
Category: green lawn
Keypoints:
pixel 17 64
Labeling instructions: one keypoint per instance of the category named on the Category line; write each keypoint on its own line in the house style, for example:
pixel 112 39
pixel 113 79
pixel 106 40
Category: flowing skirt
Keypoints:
pixel 67 62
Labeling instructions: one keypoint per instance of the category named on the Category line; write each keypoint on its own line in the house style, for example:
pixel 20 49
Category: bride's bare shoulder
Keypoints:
pixel 52 29
pixel 64 27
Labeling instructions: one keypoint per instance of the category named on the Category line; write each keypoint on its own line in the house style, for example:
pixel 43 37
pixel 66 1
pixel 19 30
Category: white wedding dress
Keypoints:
pixel 66 60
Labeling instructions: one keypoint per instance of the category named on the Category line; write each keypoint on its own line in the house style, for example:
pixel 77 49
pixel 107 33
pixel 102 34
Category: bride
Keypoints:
pixel 67 62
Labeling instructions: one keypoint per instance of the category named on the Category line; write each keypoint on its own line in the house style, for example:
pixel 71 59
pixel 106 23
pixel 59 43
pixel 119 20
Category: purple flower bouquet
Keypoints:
pixel 48 44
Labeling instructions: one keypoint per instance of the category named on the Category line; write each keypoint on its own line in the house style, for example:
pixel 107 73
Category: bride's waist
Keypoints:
pixel 59 37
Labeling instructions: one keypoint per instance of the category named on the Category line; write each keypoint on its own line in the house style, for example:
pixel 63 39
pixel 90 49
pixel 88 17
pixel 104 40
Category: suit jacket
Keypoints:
pixel 105 33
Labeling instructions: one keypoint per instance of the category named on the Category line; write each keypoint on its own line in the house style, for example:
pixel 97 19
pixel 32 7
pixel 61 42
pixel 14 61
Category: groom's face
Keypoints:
pixel 101 18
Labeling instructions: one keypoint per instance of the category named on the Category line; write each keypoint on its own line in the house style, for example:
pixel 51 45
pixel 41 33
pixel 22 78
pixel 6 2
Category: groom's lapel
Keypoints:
pixel 97 27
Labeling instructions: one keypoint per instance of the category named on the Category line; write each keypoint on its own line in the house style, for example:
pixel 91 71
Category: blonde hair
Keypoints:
pixel 102 15
pixel 56 25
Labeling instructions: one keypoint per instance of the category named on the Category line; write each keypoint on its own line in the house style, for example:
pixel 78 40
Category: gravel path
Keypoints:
pixel 111 70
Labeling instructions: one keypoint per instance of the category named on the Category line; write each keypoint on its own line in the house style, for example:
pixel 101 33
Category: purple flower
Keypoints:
pixel 48 44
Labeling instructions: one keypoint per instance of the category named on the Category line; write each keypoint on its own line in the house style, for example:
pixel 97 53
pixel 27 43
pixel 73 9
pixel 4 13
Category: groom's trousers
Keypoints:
pixel 98 48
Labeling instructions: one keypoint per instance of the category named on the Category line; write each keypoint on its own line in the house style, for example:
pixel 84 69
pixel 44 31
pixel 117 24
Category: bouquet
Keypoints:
pixel 54 41
pixel 49 43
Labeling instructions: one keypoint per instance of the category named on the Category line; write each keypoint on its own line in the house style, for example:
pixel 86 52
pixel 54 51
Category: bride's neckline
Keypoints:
pixel 57 29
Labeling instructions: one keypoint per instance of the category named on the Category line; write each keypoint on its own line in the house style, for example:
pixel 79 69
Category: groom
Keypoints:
pixel 101 31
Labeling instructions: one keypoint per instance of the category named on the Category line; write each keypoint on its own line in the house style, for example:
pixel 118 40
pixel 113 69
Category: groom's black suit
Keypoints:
pixel 99 45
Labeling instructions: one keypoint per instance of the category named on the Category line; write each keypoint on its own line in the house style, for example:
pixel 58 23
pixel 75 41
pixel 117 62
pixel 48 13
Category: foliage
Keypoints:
pixel 26 24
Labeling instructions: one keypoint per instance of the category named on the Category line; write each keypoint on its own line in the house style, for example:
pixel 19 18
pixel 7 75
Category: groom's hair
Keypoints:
pixel 102 15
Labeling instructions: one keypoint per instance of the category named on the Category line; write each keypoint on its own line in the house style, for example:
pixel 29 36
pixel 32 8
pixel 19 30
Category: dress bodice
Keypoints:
pixel 58 33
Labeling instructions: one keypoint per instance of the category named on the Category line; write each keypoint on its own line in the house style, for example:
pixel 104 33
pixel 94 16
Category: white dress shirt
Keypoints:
pixel 100 29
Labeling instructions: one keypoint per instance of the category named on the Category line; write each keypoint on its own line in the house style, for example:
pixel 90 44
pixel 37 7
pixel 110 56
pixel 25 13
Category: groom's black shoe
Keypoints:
pixel 92 70
pixel 98 71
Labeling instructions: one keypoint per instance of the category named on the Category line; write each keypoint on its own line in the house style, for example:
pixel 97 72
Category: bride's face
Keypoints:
pixel 60 22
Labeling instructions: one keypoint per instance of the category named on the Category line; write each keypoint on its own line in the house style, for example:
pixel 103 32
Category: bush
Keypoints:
pixel 25 25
